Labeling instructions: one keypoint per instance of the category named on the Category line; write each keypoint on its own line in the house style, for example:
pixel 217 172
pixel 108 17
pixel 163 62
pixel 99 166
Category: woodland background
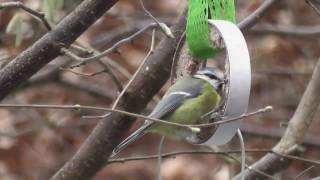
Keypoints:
pixel 35 143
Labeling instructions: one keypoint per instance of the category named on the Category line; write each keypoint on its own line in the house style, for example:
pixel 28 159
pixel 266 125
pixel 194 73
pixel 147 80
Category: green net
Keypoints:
pixel 198 31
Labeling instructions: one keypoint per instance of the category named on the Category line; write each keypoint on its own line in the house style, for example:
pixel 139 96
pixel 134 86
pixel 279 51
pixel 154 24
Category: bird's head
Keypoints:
pixel 214 76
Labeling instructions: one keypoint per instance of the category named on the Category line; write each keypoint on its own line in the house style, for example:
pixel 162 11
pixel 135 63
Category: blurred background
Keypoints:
pixel 35 143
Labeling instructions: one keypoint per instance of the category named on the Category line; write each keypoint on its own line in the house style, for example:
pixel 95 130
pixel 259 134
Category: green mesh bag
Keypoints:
pixel 198 31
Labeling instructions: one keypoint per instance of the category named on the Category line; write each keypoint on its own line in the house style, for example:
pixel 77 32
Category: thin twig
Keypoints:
pixel 166 30
pixel 137 71
pixel 297 128
pixel 314 7
pixel 262 173
pixel 196 152
pixel 175 59
pixel 259 111
pixel 81 49
pixel 104 53
pixel 303 172
pixel 38 15
pixel 83 74
pixel 243 153
pixel 79 107
pixel 254 17
pixel 311 161
pixel 108 69
pixel 295 31
pixel 161 143
pixel 193 152
pixel 106 65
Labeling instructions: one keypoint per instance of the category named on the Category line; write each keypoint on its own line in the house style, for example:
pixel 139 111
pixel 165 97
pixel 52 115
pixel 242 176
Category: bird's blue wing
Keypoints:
pixel 173 99
pixel 184 89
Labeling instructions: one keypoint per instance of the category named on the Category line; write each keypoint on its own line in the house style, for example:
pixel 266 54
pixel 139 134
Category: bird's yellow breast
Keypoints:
pixel 190 112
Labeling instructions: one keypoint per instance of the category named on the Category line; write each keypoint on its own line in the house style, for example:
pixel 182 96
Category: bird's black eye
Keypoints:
pixel 212 76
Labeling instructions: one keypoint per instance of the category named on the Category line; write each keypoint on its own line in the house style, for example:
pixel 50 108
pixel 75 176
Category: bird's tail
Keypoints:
pixel 130 139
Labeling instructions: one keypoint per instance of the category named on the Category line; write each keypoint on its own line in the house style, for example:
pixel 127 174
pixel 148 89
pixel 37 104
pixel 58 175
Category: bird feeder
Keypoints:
pixel 236 89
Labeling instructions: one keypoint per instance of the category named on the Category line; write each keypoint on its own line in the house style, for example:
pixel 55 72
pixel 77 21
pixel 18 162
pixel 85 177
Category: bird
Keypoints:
pixel 185 102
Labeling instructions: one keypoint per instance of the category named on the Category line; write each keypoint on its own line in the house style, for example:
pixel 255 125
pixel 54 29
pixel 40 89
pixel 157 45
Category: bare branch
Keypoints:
pixel 95 151
pixel 83 74
pixel 303 172
pixel 110 50
pixel 276 133
pixel 48 47
pixel 297 129
pixel 108 69
pixel 313 6
pixel 115 104
pixel 193 152
pixel 106 65
pixel 223 153
pixel 142 117
pixel 254 17
pixel 38 15
pixel 166 30
pixel 296 31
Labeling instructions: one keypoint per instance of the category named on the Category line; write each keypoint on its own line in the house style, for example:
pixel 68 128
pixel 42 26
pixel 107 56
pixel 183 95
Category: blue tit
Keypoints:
pixel 185 102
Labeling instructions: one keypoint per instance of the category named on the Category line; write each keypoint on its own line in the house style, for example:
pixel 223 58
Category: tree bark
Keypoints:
pixel 48 47
pixel 298 127
pixel 95 151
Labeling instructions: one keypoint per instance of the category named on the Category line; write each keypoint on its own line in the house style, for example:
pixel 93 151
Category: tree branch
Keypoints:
pixel 95 151
pixel 296 31
pixel 38 15
pixel 254 17
pixel 48 47
pixel 294 135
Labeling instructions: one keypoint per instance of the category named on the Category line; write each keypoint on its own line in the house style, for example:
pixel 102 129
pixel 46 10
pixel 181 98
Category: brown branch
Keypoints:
pixel 295 133
pixel 295 31
pixel 95 151
pixel 114 48
pixel 115 104
pixel 164 28
pixel 106 65
pixel 133 115
pixel 38 15
pixel 111 49
pixel 193 152
pixel 112 36
pixel 223 153
pixel 48 47
pixel 108 69
pixel 275 133
pixel 83 74
pixel 254 17
pixel 313 6
pixel 303 172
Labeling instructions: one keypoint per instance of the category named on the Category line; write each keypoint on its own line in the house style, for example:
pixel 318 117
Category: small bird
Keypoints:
pixel 185 102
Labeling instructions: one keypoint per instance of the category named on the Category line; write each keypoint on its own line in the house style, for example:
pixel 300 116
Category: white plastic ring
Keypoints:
pixel 239 80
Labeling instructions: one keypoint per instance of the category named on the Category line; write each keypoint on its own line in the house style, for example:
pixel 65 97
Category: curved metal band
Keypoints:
pixel 239 80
